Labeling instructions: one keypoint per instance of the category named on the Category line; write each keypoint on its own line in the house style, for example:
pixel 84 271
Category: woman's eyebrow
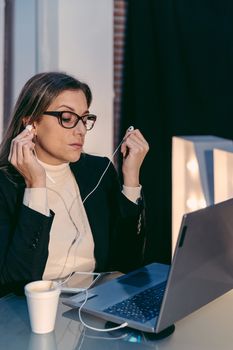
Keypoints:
pixel 72 109
pixel 86 112
pixel 65 106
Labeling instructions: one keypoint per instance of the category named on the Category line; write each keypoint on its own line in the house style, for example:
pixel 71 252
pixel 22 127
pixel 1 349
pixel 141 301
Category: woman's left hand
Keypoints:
pixel 134 149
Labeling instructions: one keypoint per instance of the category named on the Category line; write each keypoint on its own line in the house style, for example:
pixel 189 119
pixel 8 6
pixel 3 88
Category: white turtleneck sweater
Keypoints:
pixel 71 245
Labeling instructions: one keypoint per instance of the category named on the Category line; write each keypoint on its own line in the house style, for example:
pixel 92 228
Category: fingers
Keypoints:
pixel 28 149
pixel 21 153
pixel 20 136
pixel 136 132
pixel 130 145
pixel 20 142
pixel 22 157
pixel 135 143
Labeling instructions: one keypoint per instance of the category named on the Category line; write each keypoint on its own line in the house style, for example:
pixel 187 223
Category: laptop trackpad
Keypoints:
pixel 139 279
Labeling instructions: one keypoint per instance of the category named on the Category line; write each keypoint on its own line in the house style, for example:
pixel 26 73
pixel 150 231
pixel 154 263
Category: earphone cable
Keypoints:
pixel 105 170
pixel 78 236
pixel 123 325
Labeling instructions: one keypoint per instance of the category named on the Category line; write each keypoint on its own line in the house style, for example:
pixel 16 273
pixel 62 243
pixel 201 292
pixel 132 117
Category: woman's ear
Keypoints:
pixel 26 121
pixel 34 124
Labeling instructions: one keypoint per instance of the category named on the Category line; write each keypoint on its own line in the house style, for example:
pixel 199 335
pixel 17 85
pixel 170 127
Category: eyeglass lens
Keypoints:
pixel 69 120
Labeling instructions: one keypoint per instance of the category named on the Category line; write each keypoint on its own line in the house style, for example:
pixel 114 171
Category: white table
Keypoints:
pixel 209 328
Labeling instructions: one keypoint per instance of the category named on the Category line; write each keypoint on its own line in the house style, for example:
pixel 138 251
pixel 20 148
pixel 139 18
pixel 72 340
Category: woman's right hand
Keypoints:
pixel 22 157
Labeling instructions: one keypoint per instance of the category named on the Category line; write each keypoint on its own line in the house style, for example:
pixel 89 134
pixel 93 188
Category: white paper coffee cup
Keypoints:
pixel 42 300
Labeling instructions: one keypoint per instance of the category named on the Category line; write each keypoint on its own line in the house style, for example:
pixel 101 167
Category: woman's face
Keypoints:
pixel 55 144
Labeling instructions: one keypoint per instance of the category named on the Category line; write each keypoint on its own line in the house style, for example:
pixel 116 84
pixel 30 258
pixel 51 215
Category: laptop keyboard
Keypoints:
pixel 142 307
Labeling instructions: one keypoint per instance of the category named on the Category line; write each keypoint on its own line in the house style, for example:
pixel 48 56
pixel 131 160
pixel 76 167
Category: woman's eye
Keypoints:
pixel 66 119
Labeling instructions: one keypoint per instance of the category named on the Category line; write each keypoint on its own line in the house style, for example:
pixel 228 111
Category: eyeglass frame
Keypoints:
pixel 58 115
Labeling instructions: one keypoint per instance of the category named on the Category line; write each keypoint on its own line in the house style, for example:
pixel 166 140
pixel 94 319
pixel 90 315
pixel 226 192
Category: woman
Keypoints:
pixel 62 210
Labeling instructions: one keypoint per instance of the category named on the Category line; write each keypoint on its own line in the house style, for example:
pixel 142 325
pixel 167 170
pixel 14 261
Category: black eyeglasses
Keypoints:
pixel 69 119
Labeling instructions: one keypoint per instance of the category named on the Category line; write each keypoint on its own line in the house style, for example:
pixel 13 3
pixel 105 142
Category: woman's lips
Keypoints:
pixel 76 145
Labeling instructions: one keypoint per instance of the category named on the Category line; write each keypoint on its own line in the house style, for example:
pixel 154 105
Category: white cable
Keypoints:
pixel 61 282
pixel 66 279
pixel 131 128
pixel 107 338
pixel 111 158
pixel 68 211
pixel 125 324
pixel 50 178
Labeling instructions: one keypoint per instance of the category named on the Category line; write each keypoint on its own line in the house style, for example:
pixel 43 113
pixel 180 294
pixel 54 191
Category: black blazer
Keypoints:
pixel 116 224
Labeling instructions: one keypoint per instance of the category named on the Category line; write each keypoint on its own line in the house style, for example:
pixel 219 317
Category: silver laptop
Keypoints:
pixel 154 297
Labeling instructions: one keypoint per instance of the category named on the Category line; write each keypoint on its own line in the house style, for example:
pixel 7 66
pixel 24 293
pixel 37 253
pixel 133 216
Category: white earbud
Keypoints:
pixel 131 128
pixel 29 127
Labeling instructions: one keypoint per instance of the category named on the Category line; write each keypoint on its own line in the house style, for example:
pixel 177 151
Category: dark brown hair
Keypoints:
pixel 35 97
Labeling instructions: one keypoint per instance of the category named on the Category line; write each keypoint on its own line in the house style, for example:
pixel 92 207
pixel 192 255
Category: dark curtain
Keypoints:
pixel 177 81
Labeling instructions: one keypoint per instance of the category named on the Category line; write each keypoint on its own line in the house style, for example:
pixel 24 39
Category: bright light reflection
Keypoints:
pixel 192 166
pixel 194 203
pixel 202 203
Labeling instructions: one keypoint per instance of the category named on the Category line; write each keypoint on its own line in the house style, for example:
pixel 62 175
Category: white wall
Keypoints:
pixel 86 50
pixel 75 36
pixel 47 35
pixel 1 62
pixel 25 43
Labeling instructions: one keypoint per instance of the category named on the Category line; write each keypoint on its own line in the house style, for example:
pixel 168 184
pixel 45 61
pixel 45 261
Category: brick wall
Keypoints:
pixel 120 8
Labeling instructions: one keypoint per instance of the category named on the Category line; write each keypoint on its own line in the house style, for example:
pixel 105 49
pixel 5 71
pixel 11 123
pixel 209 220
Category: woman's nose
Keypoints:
pixel 80 128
